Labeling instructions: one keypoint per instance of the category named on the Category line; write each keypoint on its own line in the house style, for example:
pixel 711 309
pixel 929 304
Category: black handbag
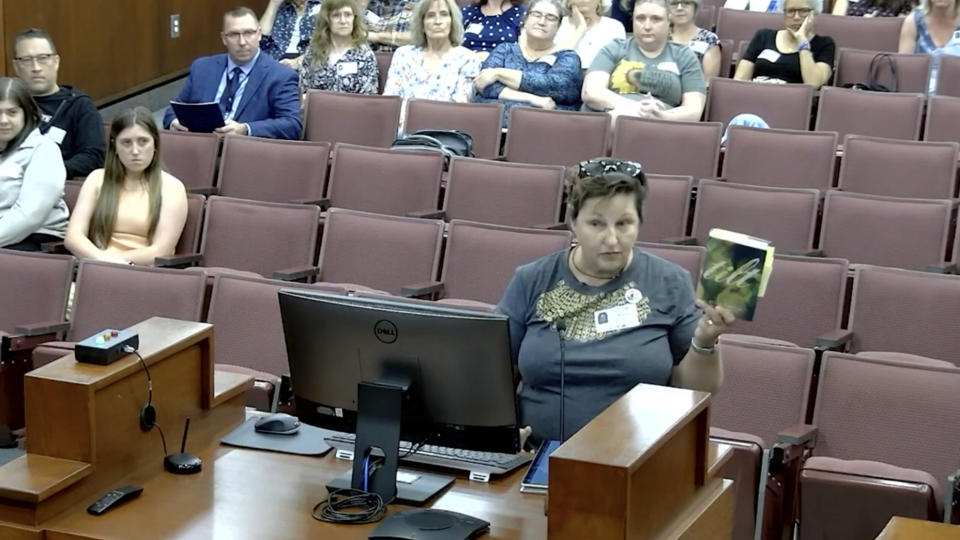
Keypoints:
pixel 872 83
pixel 450 142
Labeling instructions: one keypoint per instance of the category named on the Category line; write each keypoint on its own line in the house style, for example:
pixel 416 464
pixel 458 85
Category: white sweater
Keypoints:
pixel 31 191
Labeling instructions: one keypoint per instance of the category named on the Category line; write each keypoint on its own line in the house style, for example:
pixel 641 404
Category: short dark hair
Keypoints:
pixel 241 11
pixel 16 91
pixel 33 33
pixel 605 185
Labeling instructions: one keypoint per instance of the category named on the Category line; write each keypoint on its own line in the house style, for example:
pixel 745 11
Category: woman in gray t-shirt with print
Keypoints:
pixel 647 75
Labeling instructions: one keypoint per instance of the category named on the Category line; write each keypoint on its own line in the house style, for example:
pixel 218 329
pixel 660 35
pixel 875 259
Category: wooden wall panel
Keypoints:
pixel 112 48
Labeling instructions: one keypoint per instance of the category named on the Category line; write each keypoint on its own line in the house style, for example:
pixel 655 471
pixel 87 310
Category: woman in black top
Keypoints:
pixel 792 55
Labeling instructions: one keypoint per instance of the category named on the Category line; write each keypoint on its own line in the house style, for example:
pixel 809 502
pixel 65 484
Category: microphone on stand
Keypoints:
pixel 561 327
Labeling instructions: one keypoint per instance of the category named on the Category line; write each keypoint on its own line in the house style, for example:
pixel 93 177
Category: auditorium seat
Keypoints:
pixel 886 231
pixel 668 146
pixel 740 25
pixel 785 106
pixel 480 259
pixel 555 137
pixel 336 117
pixel 877 114
pixel 765 391
pixel 666 209
pixel 785 216
pixel 943 119
pixel 378 251
pixel 383 67
pixel 110 295
pixel 191 157
pixel 899 168
pixel 912 70
pixel 190 235
pixel 948 76
pixel 867 33
pixel 253 236
pixel 780 157
pixel 253 343
pixel 804 300
pixel 905 311
pixel 518 194
pixel 481 120
pixel 726 59
pixel 273 170
pixel 706 17
pixel 71 191
pixel 384 181
pixel 34 288
pixel 690 258
pixel 886 443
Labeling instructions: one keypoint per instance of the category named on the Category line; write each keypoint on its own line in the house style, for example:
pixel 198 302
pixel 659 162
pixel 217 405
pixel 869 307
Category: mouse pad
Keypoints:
pixel 307 442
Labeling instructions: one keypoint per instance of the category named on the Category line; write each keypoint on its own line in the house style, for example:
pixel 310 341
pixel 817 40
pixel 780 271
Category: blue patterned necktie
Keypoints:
pixel 226 98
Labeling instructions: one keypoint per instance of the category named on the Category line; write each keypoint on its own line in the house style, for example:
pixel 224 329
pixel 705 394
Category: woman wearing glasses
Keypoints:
pixel 32 175
pixel 339 59
pixel 587 29
pixel 794 54
pixel 533 72
pixel 704 43
pixel 435 66
pixel 589 323
pixel 647 75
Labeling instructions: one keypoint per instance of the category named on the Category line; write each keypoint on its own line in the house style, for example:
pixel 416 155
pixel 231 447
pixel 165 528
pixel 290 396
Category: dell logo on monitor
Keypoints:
pixel 385 331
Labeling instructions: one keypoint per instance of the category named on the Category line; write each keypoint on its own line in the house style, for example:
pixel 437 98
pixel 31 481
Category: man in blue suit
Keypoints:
pixel 257 94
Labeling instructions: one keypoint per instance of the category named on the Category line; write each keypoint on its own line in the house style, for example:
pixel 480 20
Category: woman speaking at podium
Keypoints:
pixel 590 323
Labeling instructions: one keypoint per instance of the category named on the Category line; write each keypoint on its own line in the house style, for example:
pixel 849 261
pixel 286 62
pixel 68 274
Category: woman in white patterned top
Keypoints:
pixel 704 43
pixel 339 58
pixel 435 66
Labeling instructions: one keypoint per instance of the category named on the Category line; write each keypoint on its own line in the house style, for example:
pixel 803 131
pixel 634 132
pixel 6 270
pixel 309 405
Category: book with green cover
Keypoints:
pixel 736 272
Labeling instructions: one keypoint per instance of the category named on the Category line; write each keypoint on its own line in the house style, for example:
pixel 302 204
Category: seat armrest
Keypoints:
pixel 799 434
pixel 942 268
pixel 834 340
pixel 205 191
pixel 680 240
pixel 806 253
pixel 428 214
pixel 424 289
pixel 54 247
pixel 315 202
pixel 39 329
pixel 178 260
pixel 558 226
pixel 953 495
pixel 296 273
pixel 323 203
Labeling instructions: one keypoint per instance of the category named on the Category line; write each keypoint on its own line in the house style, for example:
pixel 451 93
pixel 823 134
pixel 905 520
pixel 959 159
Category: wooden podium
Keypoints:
pixel 640 470
pixel 82 420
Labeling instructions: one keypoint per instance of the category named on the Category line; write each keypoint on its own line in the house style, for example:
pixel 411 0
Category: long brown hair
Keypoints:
pixel 105 214
pixel 15 91
pixel 322 40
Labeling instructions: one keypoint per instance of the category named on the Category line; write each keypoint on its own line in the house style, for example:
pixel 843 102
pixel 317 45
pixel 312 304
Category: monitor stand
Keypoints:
pixel 379 414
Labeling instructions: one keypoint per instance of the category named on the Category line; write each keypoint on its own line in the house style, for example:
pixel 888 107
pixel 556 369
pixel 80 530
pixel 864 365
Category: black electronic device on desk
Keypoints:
pixel 105 347
pixel 113 498
pixel 388 369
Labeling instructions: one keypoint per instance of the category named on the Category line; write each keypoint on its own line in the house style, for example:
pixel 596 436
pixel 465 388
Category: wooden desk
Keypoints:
pixel 901 528
pixel 253 494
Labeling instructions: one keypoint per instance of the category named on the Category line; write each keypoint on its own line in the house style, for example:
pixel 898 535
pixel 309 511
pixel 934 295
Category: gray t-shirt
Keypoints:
pixel 669 75
pixel 599 367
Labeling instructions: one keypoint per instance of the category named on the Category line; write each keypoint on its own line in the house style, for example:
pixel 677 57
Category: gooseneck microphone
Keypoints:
pixel 561 328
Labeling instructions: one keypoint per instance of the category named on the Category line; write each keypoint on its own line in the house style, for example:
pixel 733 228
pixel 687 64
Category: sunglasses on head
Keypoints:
pixel 601 166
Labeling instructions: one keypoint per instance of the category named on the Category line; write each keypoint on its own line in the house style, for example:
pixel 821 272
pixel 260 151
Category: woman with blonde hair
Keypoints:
pixel 588 29
pixel 435 66
pixel 339 58
pixel 932 29
pixel 130 211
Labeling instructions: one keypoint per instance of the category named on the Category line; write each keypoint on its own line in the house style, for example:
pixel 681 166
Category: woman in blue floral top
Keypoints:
pixel 287 27
pixel 339 58
pixel 533 72
pixel 489 23
pixel 435 66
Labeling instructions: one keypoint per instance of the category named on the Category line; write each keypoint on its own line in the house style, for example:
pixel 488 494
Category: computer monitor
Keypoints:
pixel 387 370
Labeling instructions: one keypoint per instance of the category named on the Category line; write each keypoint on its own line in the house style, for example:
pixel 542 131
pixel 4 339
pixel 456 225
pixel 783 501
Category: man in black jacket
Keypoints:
pixel 69 116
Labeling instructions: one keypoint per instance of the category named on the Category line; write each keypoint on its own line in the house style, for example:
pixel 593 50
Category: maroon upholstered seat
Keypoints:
pixel 555 137
pixel 191 157
pixel 690 258
pixel 666 209
pixel 273 170
pixel 785 106
pixel 335 117
pixel 877 114
pixel 780 157
pixel 669 147
pixel 480 120
pixel 899 168
pixel 913 70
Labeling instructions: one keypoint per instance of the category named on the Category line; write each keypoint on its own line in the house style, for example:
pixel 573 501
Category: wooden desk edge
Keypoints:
pixel 62 473
pixel 227 385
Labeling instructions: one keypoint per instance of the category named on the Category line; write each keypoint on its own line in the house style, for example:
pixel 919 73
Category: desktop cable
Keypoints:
pixel 353 506
pixel 148 414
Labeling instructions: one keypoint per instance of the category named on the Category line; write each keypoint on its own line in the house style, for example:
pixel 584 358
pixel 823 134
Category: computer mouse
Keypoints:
pixel 277 424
